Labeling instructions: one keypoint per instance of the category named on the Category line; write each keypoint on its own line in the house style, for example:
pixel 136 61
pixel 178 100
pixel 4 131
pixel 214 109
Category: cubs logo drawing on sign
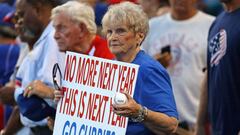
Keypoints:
pixel 218 47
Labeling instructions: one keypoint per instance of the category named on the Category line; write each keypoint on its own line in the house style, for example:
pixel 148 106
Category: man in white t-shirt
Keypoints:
pixel 179 41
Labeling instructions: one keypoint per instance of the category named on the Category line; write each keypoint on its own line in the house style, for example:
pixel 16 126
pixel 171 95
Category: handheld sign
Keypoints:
pixel 89 85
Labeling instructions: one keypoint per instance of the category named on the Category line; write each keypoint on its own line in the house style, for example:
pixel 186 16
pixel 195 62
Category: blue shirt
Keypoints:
pixel 8 58
pixel 153 90
pixel 224 74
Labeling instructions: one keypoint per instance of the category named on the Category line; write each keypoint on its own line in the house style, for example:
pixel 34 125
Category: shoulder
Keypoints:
pixel 206 16
pixel 204 20
pixel 219 19
pixel 148 66
pixel 159 19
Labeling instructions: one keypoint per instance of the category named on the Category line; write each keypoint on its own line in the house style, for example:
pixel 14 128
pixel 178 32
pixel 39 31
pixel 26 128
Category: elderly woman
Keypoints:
pixel 152 110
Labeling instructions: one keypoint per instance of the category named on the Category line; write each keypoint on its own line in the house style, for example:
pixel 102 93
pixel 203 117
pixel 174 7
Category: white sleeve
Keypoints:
pixel 52 55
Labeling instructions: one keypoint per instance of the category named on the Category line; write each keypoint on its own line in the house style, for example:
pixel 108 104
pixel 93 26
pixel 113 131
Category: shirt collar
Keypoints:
pixel 45 33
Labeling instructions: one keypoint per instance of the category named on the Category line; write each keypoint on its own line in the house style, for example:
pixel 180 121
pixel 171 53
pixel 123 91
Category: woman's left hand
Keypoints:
pixel 129 109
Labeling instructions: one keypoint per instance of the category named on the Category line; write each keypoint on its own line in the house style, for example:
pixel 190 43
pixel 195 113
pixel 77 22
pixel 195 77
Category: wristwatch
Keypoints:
pixel 142 114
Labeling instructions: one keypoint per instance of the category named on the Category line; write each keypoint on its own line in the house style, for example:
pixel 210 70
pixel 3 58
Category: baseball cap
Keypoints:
pixel 6 24
pixel 6 13
pixel 35 108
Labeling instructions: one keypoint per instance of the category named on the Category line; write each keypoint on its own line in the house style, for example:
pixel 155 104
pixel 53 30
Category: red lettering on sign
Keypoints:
pixel 116 120
pixel 125 79
pixel 70 68
pixel 86 72
pixel 95 111
pixel 68 104
pixel 81 103
pixel 106 75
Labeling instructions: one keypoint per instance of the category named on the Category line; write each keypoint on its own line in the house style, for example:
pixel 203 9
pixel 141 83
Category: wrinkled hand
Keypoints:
pixel 164 58
pixel 38 88
pixel 129 109
pixel 58 94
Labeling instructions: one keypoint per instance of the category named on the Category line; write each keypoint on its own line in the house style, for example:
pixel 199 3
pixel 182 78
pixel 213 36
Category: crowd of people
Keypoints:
pixel 188 81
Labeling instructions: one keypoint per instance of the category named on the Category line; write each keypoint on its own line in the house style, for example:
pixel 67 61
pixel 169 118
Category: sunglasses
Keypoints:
pixel 57 76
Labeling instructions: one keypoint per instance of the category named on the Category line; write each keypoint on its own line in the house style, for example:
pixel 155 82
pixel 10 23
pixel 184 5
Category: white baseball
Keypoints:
pixel 120 98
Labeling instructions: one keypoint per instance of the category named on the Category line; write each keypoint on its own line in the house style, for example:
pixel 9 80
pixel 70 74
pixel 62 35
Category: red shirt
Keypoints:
pixel 119 1
pixel 99 48
pixel 1 117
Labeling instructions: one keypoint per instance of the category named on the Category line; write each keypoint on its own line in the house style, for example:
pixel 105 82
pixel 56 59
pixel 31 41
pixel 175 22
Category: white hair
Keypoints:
pixel 79 12
pixel 127 13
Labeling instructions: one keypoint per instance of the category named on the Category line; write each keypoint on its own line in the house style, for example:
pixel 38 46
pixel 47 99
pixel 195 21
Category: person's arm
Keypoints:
pixel 157 122
pixel 203 109
pixel 14 124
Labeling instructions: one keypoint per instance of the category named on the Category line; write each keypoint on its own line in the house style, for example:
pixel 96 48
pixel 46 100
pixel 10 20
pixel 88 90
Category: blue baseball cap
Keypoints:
pixel 6 12
pixel 35 108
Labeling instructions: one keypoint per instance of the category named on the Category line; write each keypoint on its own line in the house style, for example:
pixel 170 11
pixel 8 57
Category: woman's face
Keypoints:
pixel 121 39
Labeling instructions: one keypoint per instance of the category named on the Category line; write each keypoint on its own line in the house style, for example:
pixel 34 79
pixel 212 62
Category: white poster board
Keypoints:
pixel 90 84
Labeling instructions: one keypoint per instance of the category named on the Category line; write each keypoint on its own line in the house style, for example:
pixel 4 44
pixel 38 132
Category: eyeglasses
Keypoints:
pixel 57 76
